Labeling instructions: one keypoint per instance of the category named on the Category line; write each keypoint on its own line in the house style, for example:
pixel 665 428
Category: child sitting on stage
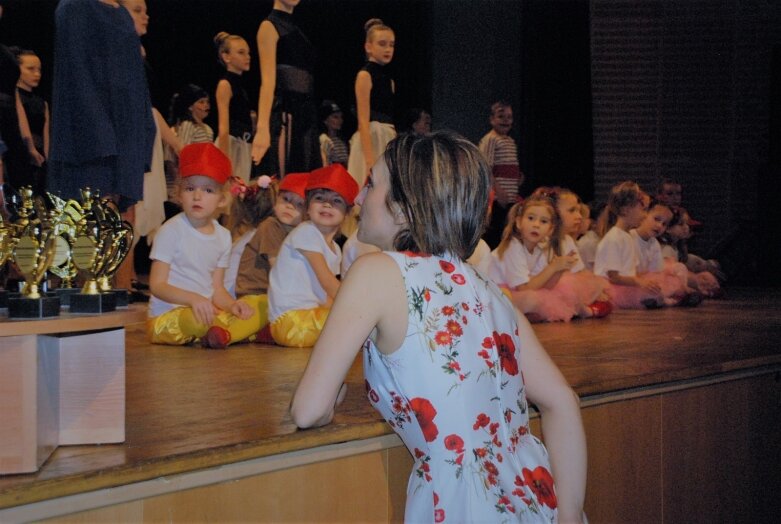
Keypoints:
pixel 670 275
pixel 303 282
pixel 190 254
pixel 538 266
pixel 702 274
pixel 262 249
pixel 618 256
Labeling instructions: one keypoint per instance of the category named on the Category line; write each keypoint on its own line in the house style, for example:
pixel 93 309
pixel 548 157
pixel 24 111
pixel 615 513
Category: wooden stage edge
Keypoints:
pixel 195 412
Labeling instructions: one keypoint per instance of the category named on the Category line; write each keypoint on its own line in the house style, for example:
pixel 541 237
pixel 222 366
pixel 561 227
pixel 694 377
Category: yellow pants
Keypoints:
pixel 299 328
pixel 179 326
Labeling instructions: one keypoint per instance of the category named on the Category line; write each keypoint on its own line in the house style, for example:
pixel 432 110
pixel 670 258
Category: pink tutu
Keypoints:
pixel 543 304
pixel 571 296
pixel 672 280
pixel 581 289
pixel 705 283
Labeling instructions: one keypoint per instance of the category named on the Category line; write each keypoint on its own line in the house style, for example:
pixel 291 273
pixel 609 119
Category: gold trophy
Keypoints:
pixel 69 215
pixel 33 254
pixel 121 233
pixel 93 250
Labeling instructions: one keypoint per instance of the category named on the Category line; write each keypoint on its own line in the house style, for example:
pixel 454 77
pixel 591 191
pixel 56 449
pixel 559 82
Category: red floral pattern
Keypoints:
pixel 449 354
pixel 425 413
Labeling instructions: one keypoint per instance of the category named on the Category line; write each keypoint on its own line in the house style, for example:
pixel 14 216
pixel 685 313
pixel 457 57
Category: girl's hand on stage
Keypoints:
pixel 260 145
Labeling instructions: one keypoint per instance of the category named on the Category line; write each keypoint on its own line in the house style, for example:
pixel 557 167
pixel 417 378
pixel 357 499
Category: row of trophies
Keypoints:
pixel 70 240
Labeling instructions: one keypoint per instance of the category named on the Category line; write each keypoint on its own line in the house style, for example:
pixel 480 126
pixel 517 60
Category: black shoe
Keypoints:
pixel 692 299
pixel 651 303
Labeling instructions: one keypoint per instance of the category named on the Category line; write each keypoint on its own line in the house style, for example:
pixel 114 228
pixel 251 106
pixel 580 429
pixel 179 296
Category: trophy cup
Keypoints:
pixel 93 251
pixel 32 254
pixel 121 236
pixel 68 215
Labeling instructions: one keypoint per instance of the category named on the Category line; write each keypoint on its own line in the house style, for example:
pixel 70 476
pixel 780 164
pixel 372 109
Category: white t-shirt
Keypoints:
pixel 192 256
pixel 517 265
pixel 480 259
pixel 352 249
pixel 293 283
pixel 587 246
pixel 568 245
pixel 616 251
pixel 233 263
pixel 649 254
pixel 669 251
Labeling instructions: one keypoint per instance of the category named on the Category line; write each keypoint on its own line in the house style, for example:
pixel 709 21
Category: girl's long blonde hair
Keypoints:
pixel 511 232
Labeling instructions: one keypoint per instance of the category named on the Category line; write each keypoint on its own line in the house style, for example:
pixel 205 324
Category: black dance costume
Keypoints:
pixel 294 96
pixel 381 102
pixel 18 168
pixel 35 109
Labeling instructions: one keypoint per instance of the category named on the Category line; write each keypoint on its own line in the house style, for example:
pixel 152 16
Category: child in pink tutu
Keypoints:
pixel 532 265
pixel 669 274
pixel 701 273
pixel 618 256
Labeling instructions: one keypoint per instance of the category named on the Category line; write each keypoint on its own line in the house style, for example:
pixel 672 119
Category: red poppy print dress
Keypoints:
pixel 454 393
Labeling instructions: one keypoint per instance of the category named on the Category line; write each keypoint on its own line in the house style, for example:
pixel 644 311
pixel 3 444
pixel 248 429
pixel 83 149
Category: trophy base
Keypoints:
pixel 3 298
pixel 99 303
pixel 31 308
pixel 65 294
pixel 123 298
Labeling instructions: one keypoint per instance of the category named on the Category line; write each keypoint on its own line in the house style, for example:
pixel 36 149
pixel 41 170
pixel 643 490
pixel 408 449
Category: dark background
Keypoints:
pixel 469 45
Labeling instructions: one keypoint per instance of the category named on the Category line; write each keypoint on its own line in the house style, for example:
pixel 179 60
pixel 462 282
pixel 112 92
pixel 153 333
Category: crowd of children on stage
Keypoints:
pixel 272 276
pixel 271 267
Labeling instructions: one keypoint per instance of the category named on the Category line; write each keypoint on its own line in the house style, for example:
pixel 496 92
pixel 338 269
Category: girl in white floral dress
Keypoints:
pixel 447 361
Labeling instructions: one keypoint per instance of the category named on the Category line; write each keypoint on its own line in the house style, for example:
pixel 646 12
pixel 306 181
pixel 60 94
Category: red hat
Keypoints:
pixel 204 159
pixel 295 183
pixel 336 178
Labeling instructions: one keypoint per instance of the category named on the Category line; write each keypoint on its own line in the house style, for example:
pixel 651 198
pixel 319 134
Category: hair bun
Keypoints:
pixel 219 38
pixel 371 23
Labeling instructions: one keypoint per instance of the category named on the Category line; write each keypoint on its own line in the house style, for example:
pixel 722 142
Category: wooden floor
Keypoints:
pixel 189 408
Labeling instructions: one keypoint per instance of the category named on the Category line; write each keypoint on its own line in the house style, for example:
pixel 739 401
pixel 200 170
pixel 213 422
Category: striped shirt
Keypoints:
pixel 502 155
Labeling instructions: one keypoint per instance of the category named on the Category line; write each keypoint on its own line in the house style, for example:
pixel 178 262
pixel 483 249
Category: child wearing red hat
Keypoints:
pixel 190 254
pixel 303 282
pixel 262 249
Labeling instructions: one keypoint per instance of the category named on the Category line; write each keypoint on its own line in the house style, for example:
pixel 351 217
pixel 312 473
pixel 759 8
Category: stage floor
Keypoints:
pixel 189 408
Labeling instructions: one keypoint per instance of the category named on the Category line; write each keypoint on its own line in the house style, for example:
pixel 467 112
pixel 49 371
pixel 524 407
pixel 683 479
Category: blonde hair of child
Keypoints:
pixel 222 41
pixel 624 194
pixel 374 25
pixel 511 232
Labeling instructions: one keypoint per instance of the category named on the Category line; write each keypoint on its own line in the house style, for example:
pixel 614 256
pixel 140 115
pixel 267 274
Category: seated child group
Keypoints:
pixel 272 271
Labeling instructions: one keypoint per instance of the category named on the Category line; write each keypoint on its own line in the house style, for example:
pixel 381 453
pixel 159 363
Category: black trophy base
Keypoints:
pixel 123 298
pixel 94 304
pixel 31 308
pixel 3 298
pixel 65 294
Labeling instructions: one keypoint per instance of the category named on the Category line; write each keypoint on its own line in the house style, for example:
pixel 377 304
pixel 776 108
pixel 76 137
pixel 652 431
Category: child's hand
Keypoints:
pixel 649 285
pixel 565 262
pixel 204 310
pixel 241 309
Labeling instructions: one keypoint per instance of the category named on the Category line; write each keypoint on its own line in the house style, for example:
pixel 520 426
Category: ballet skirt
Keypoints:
pixel 455 394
